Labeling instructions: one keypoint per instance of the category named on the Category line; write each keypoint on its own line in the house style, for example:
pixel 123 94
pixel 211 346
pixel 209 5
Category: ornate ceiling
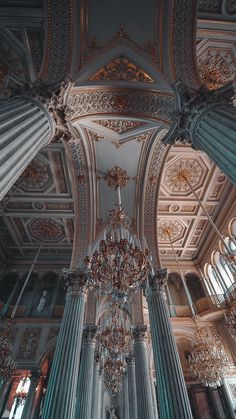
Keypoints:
pixel 120 105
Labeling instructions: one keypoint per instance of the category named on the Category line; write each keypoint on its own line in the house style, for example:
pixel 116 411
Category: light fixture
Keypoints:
pixel 117 262
pixel 115 337
pixel 230 319
pixel 113 374
pixel 207 360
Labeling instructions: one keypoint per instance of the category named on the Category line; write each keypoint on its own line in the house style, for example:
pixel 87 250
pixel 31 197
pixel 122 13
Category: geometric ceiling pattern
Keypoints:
pixel 178 207
pixel 39 207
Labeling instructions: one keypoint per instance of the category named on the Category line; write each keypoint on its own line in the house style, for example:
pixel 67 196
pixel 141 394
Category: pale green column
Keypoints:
pixel 126 397
pixel 62 386
pixel 95 395
pixel 100 394
pixel 5 392
pixel 207 120
pixel 85 384
pixel 27 411
pixel 172 392
pixel 143 385
pixel 132 386
pixel 25 127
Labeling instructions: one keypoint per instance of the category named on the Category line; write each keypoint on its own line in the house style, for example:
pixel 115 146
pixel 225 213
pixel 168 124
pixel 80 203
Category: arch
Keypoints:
pixel 194 286
pixel 232 228
pixel 176 289
pixel 223 269
pixel 216 286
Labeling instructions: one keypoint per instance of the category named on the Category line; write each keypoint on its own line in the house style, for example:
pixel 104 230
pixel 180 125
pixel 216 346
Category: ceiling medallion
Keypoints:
pixel 177 174
pixel 118 125
pixel 122 68
pixel 46 229
pixel 117 177
pixel 216 68
pixel 168 228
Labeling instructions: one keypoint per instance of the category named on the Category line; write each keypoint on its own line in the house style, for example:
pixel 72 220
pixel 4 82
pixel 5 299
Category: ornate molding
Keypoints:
pixel 151 195
pixel 120 126
pixel 130 359
pixel 57 57
pixel 182 35
pixel 121 68
pixel 117 177
pixel 143 103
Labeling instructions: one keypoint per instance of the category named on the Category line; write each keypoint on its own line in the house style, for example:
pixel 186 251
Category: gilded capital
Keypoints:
pixel 89 334
pixel 140 334
pixel 76 282
pixel 158 281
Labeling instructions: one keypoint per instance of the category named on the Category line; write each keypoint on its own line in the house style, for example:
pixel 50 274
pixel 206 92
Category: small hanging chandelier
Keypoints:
pixel 116 338
pixel 7 365
pixel 207 360
pixel 113 374
pixel 231 322
pixel 118 262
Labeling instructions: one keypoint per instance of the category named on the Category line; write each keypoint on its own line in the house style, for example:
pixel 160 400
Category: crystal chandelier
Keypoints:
pixel 207 360
pixel 116 338
pixel 231 322
pixel 7 365
pixel 118 262
pixel 113 374
pixel 21 392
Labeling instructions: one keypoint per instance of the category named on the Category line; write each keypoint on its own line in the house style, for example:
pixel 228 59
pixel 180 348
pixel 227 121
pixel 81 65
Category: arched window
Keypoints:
pixel 19 399
pixel 223 270
pixel 232 228
pixel 213 280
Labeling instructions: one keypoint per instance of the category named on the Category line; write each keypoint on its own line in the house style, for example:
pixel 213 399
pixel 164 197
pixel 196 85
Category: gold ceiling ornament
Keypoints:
pixel 121 68
pixel 120 126
pixel 216 69
pixel 116 337
pixel 207 360
pixel 117 178
pixel 230 319
pixel 118 262
pixel 168 228
pixel 113 374
pixel 182 175
pixel 7 364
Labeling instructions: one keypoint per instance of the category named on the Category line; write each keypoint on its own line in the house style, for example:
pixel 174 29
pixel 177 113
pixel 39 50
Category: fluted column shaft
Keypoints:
pixel 5 392
pixel 37 399
pixel 99 405
pixel 94 409
pixel 85 384
pixel 132 386
pixel 62 386
pixel 207 120
pixel 25 127
pixel 26 414
pixel 172 392
pixel 126 397
pixel 143 385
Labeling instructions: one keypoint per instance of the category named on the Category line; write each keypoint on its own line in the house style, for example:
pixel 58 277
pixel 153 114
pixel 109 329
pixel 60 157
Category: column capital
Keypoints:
pixel 191 104
pixel 130 359
pixel 140 334
pixel 89 335
pixel 76 282
pixel 157 281
pixel 52 98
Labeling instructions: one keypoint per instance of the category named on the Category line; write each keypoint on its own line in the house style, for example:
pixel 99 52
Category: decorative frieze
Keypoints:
pixel 29 343
pixel 140 334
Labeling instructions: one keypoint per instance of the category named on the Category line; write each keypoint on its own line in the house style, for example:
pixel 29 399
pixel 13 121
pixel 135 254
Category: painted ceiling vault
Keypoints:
pixel 121 104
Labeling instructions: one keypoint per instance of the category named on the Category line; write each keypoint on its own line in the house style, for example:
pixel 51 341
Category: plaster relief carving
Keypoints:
pixel 122 68
pixel 216 67
pixel 118 125
pixel 29 343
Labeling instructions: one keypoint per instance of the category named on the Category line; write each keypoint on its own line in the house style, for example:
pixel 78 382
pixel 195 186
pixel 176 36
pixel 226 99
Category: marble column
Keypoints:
pixel 154 398
pixel 207 119
pixel 143 385
pixel 26 414
pixel 94 410
pixel 132 386
pixel 126 396
pixel 25 127
pixel 100 392
pixel 85 384
pixel 172 392
pixel 62 386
